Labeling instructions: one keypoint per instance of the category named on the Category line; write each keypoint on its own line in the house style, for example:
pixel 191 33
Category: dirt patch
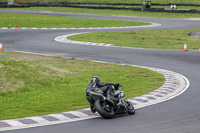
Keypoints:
pixel 63 71
pixel 2 88
pixel 137 73
pixel 28 57
pixel 10 85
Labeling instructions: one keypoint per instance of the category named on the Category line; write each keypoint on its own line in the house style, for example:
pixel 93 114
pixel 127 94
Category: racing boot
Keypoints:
pixel 92 108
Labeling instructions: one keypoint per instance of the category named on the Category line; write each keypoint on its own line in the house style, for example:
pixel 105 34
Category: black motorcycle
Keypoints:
pixel 105 106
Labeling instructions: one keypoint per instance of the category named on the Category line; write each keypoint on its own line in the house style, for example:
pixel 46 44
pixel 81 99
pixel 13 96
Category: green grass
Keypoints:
pixel 32 20
pixel 114 12
pixel 35 85
pixel 115 1
pixel 163 39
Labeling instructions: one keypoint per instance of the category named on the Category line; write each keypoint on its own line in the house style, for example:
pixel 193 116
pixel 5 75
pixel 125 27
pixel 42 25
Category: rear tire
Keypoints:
pixel 131 109
pixel 105 113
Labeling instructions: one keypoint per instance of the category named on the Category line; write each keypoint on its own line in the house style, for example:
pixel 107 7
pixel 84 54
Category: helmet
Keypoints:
pixel 95 79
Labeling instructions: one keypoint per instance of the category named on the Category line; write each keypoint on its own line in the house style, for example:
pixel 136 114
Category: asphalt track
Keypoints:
pixel 178 115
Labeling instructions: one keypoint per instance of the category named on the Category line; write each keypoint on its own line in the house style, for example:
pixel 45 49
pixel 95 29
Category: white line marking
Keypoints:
pixel 83 28
pixel 59 116
pixel 39 119
pixel 14 123
pixel 79 114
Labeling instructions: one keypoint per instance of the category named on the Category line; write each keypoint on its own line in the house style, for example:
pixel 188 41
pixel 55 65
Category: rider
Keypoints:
pixel 107 88
pixel 110 92
pixel 95 82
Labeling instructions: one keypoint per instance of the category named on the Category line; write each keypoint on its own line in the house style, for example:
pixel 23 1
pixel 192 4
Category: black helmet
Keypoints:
pixel 95 79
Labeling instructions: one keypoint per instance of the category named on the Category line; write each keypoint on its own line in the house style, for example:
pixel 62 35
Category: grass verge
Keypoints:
pixel 114 12
pixel 33 20
pixel 36 85
pixel 163 39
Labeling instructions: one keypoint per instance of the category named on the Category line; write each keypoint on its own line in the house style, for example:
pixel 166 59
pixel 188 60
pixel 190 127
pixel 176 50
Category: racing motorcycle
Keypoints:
pixel 107 107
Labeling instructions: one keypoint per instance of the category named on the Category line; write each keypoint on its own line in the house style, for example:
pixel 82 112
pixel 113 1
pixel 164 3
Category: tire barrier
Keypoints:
pixel 104 7
pixel 13 6
pixel 3 2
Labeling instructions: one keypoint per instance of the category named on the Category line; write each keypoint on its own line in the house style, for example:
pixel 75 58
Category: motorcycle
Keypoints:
pixel 107 107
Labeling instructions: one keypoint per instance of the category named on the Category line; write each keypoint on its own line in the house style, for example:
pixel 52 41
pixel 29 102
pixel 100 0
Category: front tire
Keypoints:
pixel 104 109
pixel 131 109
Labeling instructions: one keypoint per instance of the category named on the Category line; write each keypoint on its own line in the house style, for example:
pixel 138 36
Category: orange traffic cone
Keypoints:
pixel 1 46
pixel 9 27
pixel 185 47
pixel 15 26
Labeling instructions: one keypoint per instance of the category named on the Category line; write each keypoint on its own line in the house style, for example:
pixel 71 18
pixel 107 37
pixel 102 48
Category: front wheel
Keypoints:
pixel 131 109
pixel 104 109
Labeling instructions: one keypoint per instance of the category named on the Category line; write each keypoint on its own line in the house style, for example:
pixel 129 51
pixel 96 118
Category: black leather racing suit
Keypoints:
pixel 107 89
pixel 110 92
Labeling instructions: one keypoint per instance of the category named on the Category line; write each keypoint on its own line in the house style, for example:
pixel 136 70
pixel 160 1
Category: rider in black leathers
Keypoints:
pixel 95 81
pixel 107 88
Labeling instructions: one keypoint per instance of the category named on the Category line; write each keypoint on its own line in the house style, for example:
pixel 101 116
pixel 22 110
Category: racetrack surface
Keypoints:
pixel 178 115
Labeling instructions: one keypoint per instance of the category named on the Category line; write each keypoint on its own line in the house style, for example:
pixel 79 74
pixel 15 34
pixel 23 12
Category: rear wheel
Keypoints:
pixel 104 109
pixel 131 109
